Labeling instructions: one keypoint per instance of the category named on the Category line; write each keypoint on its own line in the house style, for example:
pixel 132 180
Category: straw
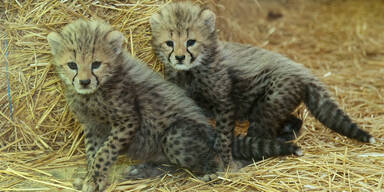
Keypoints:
pixel 7 77
pixel 342 42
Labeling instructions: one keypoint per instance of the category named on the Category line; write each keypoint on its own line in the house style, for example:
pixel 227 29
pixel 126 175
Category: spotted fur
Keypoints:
pixel 236 81
pixel 127 108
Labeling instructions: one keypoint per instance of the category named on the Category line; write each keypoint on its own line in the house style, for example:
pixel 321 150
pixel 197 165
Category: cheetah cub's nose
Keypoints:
pixel 180 58
pixel 85 83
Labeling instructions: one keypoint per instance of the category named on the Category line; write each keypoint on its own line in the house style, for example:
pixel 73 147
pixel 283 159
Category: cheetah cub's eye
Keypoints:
pixel 72 65
pixel 191 42
pixel 169 43
pixel 96 64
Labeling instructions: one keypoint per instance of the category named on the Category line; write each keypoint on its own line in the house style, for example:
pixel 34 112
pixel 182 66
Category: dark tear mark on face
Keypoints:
pixel 97 79
pixel 169 55
pixel 73 79
pixel 173 48
pixel 192 57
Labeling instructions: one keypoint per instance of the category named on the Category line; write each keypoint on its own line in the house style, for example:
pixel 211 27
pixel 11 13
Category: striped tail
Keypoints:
pixel 248 148
pixel 329 114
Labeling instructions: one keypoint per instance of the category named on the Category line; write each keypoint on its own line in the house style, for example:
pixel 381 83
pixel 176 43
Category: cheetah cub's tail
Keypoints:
pixel 328 113
pixel 246 148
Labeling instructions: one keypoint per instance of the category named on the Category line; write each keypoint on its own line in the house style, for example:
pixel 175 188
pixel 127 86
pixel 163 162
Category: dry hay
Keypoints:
pixel 341 41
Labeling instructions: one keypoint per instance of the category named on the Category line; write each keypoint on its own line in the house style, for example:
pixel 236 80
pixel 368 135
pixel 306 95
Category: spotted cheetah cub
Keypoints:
pixel 126 107
pixel 235 81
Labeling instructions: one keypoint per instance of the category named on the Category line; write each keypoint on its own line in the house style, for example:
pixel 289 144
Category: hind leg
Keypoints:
pixel 189 147
pixel 288 131
pixel 283 129
pixel 271 115
pixel 290 128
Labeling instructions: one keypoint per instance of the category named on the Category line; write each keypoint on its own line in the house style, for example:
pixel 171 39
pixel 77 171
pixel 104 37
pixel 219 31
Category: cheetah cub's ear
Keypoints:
pixel 115 39
pixel 154 20
pixel 209 19
pixel 54 40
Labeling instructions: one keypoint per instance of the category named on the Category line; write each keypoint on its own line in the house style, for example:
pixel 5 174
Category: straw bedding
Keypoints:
pixel 341 41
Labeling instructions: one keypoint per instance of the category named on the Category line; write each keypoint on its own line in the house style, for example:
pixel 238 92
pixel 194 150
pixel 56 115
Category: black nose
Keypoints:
pixel 180 58
pixel 85 82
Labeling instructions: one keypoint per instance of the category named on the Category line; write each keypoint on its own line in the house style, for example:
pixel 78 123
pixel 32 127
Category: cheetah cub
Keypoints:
pixel 126 107
pixel 233 81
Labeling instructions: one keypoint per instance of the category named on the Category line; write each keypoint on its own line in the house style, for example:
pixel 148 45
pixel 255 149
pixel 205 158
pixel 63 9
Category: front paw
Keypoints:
pixel 236 165
pixel 78 178
pixel 145 170
pixel 93 184
pixel 77 183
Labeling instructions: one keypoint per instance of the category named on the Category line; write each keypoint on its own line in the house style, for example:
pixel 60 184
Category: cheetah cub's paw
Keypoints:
pixel 92 184
pixel 146 170
pixel 78 178
pixel 235 165
pixel 77 183
pixel 208 177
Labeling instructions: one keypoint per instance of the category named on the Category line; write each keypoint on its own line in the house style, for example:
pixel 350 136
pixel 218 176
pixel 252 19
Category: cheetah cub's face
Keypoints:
pixel 182 33
pixel 84 53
